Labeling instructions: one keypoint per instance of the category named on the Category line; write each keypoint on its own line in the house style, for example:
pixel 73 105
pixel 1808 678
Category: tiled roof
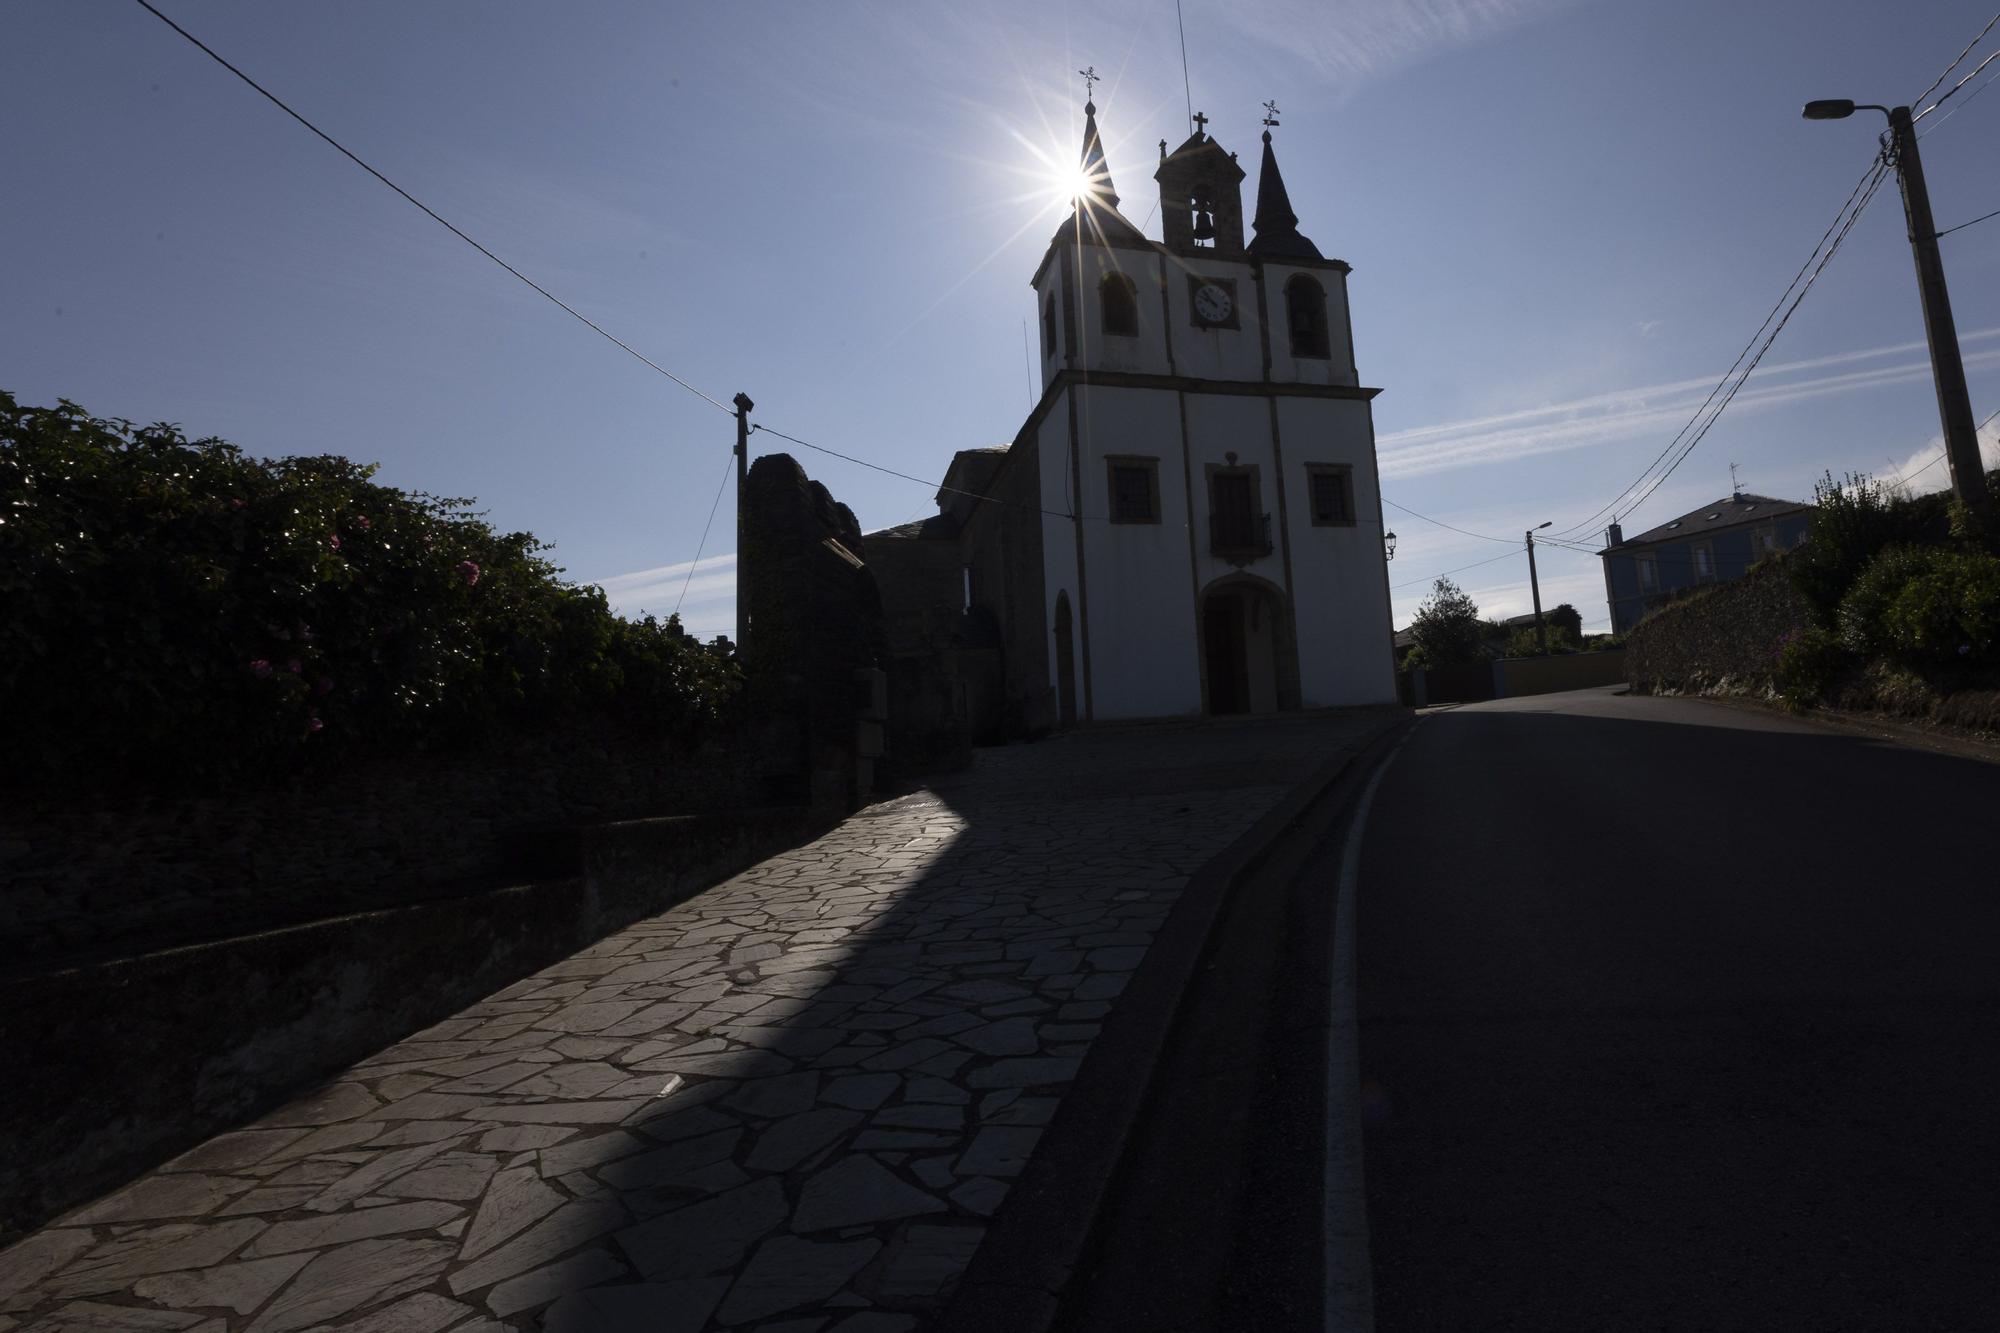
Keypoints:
pixel 938 527
pixel 1724 513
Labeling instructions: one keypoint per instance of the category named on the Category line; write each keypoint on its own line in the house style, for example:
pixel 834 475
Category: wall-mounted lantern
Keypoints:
pixel 1389 546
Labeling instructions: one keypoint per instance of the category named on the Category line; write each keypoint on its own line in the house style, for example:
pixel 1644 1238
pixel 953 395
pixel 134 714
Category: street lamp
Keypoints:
pixel 1535 586
pixel 1389 546
pixel 1961 443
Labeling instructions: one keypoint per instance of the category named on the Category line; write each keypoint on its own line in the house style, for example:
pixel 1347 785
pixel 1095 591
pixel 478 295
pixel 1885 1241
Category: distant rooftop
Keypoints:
pixel 1724 513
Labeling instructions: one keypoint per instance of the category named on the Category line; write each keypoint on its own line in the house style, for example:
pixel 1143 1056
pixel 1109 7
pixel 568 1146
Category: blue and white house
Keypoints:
pixel 1713 544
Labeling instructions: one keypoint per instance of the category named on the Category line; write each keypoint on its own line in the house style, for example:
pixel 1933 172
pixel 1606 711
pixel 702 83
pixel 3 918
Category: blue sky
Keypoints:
pixel 1565 219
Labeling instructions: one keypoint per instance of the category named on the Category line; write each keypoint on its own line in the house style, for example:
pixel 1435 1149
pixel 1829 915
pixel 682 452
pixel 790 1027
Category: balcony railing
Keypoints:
pixel 1239 536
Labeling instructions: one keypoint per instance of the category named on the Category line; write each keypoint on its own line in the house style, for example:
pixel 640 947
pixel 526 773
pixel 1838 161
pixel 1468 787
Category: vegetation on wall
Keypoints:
pixel 174 608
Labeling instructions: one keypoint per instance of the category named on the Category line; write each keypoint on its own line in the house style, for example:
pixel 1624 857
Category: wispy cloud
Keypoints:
pixel 1370 37
pixel 710 604
pixel 1658 408
pixel 1925 470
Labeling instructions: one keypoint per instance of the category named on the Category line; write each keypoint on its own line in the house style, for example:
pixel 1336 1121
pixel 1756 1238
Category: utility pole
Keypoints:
pixel 743 406
pixel 1535 587
pixel 1961 441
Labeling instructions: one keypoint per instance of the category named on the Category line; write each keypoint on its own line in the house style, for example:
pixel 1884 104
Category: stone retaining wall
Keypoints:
pixel 119 1065
pixel 1724 640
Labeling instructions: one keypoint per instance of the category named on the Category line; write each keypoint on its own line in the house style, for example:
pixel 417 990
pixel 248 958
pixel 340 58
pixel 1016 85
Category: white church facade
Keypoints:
pixel 1189 522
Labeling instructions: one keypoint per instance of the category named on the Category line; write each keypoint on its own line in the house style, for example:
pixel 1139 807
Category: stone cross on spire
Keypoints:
pixel 1200 122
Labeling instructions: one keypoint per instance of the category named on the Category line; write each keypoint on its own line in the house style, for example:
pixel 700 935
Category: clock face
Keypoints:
pixel 1212 303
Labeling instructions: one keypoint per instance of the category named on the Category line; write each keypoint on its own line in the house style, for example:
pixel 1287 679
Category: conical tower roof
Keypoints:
pixel 1276 226
pixel 1096 172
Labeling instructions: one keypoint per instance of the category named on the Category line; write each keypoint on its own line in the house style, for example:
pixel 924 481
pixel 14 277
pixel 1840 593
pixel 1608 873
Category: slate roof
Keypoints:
pixel 1727 512
pixel 938 527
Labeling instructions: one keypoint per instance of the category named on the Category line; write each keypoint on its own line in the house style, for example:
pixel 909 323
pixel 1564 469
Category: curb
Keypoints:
pixel 1043 1233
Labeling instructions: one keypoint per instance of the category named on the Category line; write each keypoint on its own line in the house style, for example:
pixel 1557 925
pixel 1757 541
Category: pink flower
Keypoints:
pixel 314 724
pixel 468 571
pixel 236 504
pixel 333 540
pixel 324 685
pixel 361 521
pixel 295 666
pixel 260 667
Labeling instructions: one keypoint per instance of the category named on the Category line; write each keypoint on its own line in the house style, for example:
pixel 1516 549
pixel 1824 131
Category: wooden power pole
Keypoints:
pixel 743 406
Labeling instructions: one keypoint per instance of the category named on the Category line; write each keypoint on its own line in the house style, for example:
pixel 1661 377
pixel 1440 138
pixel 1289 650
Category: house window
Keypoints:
pixel 1649 574
pixel 1331 489
pixel 1305 312
pixel 1049 325
pixel 1763 541
pixel 1703 556
pixel 1119 302
pixel 1135 490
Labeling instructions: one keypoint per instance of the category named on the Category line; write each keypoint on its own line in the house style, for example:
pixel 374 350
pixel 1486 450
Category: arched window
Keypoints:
pixel 1305 313
pixel 1120 303
pixel 1049 326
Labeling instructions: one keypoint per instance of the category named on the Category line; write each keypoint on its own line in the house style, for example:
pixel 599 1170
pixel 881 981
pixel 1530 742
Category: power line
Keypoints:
pixel 1881 172
pixel 1963 225
pixel 1991 57
pixel 1956 61
pixel 1932 128
pixel 703 543
pixel 952 490
pixel 1411 583
pixel 571 310
pixel 1428 519
pixel 1855 193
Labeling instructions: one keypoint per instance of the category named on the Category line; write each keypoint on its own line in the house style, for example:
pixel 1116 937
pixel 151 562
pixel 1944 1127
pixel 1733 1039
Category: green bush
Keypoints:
pixel 1947 617
pixel 1810 662
pixel 1851 522
pixel 174 608
pixel 1860 622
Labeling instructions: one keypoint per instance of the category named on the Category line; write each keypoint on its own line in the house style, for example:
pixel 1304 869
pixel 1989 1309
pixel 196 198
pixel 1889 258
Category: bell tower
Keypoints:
pixel 1201 197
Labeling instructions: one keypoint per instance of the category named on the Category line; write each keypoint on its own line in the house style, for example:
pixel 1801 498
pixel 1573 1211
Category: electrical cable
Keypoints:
pixel 1428 519
pixel 571 310
pixel 1957 61
pixel 1932 128
pixel 1881 172
pixel 1411 583
pixel 1852 195
pixel 952 490
pixel 1963 225
pixel 1990 58
pixel 703 543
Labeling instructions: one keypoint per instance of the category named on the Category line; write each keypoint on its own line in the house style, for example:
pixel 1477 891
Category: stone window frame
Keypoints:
pixel 1320 334
pixel 1345 472
pixel 1259 516
pixel 1151 466
pixel 1127 327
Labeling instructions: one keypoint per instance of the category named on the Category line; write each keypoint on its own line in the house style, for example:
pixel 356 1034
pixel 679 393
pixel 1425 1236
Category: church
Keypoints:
pixel 1189 521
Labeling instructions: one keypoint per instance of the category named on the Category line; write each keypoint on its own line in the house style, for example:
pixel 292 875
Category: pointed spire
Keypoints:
pixel 1276 226
pixel 1096 172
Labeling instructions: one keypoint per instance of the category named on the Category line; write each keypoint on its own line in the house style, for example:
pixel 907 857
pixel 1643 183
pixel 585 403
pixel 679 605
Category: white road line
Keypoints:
pixel 1349 1299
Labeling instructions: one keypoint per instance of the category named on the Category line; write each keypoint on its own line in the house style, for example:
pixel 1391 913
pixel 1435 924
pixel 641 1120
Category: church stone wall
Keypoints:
pixel 1341 587
pixel 1220 353
pixel 1335 368
pixel 1059 568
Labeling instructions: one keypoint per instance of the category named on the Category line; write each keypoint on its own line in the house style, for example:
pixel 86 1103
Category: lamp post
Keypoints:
pixel 1961 442
pixel 1535 587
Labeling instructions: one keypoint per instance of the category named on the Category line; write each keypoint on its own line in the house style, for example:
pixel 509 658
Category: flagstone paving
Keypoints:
pixel 791 1103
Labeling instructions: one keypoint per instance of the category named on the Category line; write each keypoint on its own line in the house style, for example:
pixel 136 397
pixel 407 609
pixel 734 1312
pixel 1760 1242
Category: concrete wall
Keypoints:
pixel 1515 676
pixel 1338 366
pixel 119 1065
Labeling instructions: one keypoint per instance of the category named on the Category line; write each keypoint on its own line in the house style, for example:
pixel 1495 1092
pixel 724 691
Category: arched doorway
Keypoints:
pixel 1065 664
pixel 1249 655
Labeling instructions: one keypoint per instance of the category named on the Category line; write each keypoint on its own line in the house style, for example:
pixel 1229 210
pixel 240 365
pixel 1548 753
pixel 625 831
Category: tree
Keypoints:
pixel 1447 627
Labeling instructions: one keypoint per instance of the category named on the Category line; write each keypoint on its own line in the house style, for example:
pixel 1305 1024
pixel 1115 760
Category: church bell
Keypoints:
pixel 1204 226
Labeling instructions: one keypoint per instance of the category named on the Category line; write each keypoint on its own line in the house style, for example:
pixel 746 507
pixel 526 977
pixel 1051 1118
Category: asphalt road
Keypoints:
pixel 1676 1015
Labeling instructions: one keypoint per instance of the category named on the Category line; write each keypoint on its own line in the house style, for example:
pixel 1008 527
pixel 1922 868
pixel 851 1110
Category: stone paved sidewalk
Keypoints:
pixel 789 1104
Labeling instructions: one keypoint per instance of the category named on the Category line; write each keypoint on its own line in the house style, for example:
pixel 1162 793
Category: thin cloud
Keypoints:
pixel 711 593
pixel 1364 38
pixel 1603 418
